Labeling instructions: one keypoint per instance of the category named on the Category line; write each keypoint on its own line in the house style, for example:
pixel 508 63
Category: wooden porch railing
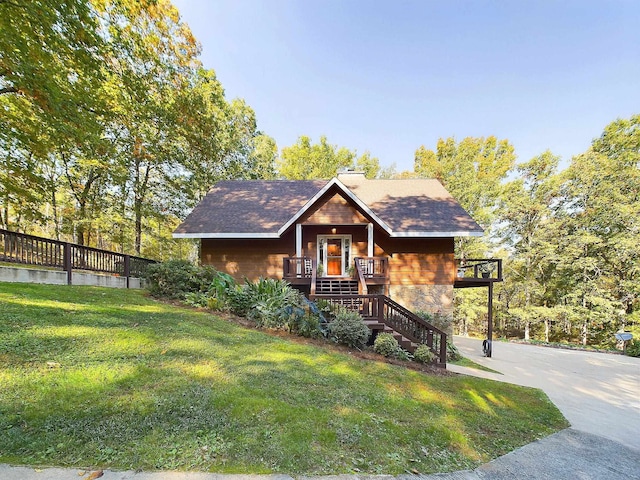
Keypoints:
pixel 480 268
pixel 373 267
pixel 298 267
pixel 26 249
pixel 384 310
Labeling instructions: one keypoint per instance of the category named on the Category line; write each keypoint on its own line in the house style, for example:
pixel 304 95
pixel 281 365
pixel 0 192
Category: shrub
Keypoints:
pixel 307 325
pixel 453 353
pixel 439 320
pixel 349 329
pixel 196 299
pixel 172 279
pixel 424 315
pixel 269 303
pixel 423 354
pixel 633 348
pixel 204 276
pixel 239 300
pixel 386 344
pixel 402 354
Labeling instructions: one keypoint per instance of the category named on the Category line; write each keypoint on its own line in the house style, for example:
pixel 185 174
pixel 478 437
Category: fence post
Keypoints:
pixel 443 348
pixel 127 268
pixel 66 261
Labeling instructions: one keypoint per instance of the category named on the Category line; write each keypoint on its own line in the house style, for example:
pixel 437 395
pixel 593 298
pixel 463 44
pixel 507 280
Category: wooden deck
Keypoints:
pixel 478 272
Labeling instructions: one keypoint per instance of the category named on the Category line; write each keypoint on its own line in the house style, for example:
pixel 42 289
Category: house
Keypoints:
pixel 348 236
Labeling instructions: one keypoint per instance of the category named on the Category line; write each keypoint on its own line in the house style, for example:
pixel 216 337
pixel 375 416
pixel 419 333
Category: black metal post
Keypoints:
pixel 66 261
pixel 127 268
pixel 490 319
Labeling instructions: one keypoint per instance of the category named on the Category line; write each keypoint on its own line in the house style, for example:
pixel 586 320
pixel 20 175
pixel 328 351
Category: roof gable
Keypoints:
pixel 347 193
pixel 336 209
pixel 267 209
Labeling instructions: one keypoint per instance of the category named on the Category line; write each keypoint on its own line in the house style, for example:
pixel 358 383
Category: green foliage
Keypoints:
pixel 268 302
pixel 111 129
pixel 172 279
pixel 197 299
pixel 453 354
pixel 385 344
pixel 307 325
pixel 348 329
pixel 305 160
pixel 423 354
pixel 633 348
pixel 438 319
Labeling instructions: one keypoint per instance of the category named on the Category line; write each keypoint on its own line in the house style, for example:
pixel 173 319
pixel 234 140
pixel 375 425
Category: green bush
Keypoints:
pixel 196 299
pixel 239 300
pixel 633 348
pixel 386 344
pixel 307 325
pixel 349 329
pixel 439 320
pixel 172 279
pixel 453 354
pixel 423 354
pixel 269 303
pixel 402 354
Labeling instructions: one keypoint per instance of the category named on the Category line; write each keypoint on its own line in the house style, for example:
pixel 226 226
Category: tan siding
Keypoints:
pixel 248 258
pixel 418 261
pixel 335 211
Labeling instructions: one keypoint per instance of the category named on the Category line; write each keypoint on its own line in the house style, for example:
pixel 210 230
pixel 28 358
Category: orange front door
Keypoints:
pixel 334 256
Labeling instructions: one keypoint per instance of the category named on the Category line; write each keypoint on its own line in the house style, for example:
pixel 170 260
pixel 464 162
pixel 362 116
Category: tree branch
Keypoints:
pixel 8 90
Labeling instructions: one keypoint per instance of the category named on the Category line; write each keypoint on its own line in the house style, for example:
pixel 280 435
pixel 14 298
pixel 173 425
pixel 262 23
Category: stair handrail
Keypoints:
pixel 428 332
pixel 312 287
pixel 362 283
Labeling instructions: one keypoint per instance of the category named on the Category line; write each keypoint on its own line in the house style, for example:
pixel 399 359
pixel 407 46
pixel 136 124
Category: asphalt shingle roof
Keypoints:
pixel 260 207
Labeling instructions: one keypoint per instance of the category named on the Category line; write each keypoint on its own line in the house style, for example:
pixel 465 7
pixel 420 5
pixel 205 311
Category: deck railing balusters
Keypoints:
pixel 31 250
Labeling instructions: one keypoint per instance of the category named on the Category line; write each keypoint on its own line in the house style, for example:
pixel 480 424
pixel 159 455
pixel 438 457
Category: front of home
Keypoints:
pixel 348 236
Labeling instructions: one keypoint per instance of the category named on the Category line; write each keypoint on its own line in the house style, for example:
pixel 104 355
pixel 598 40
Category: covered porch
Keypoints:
pixel 363 272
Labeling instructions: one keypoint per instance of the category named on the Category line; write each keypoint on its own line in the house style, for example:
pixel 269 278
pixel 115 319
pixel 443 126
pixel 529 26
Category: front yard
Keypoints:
pixel 95 377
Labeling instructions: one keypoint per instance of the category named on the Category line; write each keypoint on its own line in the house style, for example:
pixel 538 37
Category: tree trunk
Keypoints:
pixel 546 330
pixel 138 212
pixel 527 325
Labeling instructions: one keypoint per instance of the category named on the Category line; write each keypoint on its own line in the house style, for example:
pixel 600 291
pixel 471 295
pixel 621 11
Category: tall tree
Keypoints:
pixel 472 170
pixel 525 215
pixel 305 160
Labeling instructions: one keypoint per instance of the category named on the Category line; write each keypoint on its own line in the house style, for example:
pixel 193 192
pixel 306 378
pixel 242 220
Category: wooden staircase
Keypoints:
pixel 381 314
pixel 403 341
pixel 336 286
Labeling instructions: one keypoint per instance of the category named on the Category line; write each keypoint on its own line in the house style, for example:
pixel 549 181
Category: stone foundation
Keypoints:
pixel 428 298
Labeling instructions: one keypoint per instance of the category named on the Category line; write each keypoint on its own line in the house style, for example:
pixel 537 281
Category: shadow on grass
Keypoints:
pixel 164 387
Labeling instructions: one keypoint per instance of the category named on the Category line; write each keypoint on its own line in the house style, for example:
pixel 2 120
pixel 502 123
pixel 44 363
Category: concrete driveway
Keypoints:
pixel 598 393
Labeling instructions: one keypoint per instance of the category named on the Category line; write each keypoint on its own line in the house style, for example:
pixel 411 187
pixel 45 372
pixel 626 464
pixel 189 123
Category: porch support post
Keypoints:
pixel 298 239
pixel 490 319
pixel 370 240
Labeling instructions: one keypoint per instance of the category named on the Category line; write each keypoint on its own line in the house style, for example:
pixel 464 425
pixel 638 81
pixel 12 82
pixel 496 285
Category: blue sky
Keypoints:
pixel 390 76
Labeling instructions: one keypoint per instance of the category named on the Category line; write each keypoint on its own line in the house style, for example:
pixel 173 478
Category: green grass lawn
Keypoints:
pixel 466 362
pixel 96 377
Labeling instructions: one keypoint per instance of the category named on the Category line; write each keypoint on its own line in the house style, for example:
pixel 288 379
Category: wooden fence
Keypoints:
pixel 26 249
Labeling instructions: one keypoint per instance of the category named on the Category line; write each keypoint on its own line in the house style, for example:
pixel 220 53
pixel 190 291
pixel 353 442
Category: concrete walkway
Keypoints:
pixel 598 393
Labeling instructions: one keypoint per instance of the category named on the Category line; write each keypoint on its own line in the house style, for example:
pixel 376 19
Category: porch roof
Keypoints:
pixel 266 209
